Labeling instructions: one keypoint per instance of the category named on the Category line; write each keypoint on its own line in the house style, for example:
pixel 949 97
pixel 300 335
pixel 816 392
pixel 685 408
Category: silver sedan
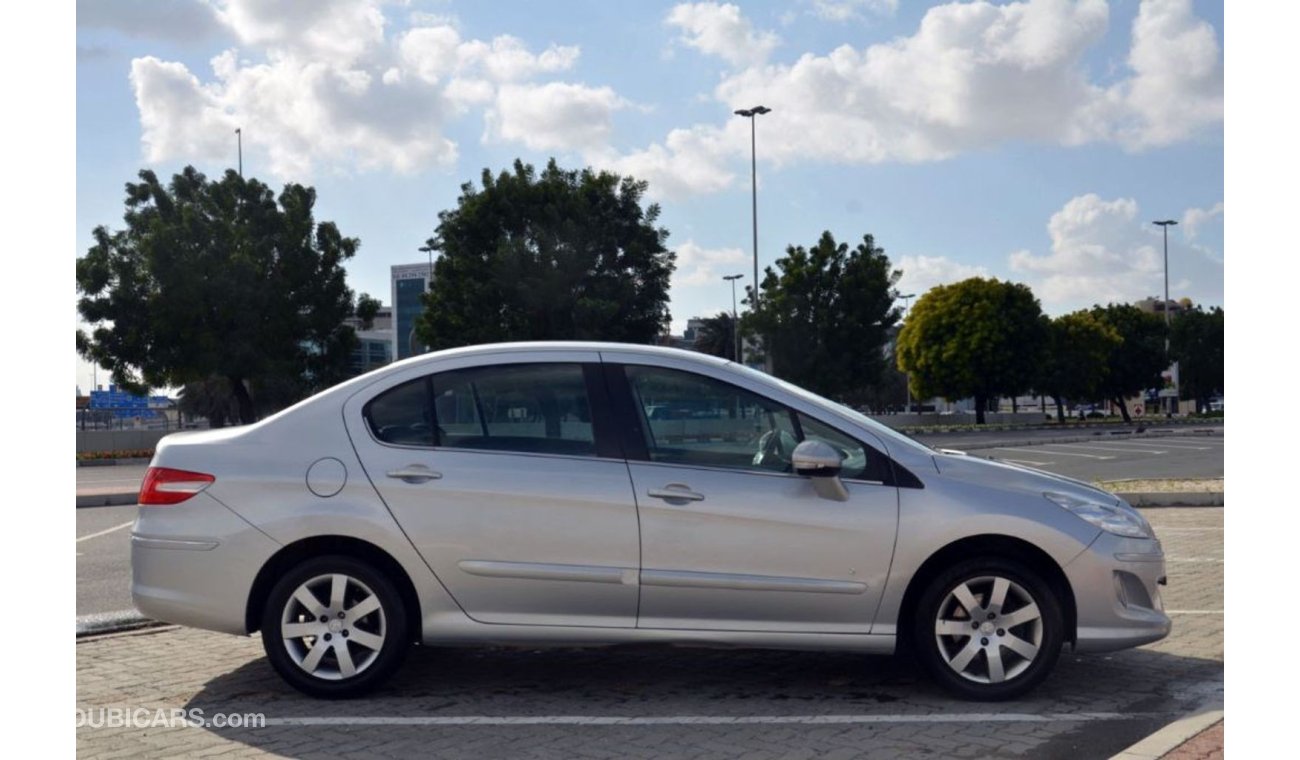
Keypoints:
pixel 587 494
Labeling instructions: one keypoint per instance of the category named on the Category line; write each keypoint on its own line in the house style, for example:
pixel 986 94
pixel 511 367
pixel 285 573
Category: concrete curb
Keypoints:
pixel 113 622
pixel 1126 435
pixel 109 499
pixel 1172 499
pixel 1168 738
pixel 112 462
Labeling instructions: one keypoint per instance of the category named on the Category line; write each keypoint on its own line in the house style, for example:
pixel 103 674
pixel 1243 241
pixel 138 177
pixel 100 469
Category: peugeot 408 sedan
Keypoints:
pixel 589 494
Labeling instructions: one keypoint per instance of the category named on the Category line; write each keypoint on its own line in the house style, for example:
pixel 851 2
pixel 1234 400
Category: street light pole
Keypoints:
pixel 752 114
pixel 907 376
pixel 1164 226
pixel 735 323
pixel 239 137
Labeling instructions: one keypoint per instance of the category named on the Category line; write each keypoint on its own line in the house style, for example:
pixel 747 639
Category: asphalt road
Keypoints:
pixel 104 559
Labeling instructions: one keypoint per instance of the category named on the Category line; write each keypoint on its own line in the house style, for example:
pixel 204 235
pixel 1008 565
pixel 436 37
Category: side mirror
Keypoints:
pixel 821 463
pixel 816 459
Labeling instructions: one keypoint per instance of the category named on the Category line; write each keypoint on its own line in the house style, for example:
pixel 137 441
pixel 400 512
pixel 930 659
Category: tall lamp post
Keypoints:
pixel 1164 227
pixel 735 323
pixel 752 114
pixel 239 139
pixel 907 377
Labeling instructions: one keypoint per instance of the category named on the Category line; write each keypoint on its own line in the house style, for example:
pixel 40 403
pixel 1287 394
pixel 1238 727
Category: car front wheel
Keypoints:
pixel 334 627
pixel 989 629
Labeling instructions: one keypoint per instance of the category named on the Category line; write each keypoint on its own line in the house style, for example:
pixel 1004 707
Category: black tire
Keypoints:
pixel 994 646
pixel 383 629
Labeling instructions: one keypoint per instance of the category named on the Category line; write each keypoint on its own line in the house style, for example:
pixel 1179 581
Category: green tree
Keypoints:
pixel 1196 343
pixel 560 255
pixel 717 336
pixel 218 279
pixel 978 337
pixel 1075 364
pixel 1134 366
pixel 825 316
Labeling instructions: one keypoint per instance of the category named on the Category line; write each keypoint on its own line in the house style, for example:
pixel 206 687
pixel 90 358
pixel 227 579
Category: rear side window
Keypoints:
pixel 402 415
pixel 532 408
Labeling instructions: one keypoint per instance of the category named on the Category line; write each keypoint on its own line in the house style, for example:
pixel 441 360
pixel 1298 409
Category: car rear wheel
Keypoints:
pixel 334 627
pixel 989 629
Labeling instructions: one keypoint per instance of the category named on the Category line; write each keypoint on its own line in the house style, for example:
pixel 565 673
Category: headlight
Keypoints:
pixel 1109 517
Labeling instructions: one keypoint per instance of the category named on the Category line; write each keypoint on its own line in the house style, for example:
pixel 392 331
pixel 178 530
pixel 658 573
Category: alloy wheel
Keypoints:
pixel 333 626
pixel 989 629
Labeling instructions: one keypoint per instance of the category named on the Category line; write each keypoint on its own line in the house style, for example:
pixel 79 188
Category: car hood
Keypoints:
pixel 997 474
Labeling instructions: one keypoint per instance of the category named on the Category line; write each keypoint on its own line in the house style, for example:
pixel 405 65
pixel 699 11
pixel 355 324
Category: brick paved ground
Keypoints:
pixel 1092 706
pixel 1207 745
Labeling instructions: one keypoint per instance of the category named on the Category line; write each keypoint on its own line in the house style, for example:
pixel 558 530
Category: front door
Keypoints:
pixel 731 538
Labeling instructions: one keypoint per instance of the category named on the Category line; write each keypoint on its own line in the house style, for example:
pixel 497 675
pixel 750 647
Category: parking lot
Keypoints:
pixel 663 702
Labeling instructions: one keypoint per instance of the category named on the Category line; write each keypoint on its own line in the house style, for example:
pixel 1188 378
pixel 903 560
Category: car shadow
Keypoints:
pixel 658 681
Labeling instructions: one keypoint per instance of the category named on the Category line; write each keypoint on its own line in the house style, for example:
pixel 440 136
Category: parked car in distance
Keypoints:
pixel 532 494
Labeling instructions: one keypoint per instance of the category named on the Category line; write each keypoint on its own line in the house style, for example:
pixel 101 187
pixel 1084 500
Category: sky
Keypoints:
pixel 1030 141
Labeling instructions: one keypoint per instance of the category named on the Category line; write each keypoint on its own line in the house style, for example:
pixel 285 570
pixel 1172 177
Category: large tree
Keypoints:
pixel 550 256
pixel 825 315
pixel 1134 366
pixel 1076 361
pixel 1196 343
pixel 976 338
pixel 219 279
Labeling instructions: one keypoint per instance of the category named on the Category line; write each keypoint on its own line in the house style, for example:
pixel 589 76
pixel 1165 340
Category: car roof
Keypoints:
pixel 564 345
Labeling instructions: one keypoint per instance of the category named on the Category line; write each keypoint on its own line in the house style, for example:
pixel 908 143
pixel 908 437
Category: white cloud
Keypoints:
pixel 697 265
pixel 972 76
pixel 1194 218
pixel 920 273
pixel 330 89
pixel 553 116
pixel 1105 251
pixel 847 10
pixel 690 162
pixel 1177 86
pixel 720 30
pixel 181 21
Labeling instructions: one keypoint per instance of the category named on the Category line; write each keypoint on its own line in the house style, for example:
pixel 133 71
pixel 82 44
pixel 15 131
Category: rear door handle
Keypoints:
pixel 414 473
pixel 675 492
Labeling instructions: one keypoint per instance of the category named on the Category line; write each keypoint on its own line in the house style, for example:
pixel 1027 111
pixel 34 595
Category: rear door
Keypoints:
pixel 507 481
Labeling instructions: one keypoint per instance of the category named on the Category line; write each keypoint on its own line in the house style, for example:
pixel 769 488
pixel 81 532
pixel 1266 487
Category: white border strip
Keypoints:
pixel 699 720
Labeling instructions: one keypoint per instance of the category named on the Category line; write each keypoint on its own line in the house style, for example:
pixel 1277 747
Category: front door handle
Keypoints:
pixel 675 492
pixel 414 473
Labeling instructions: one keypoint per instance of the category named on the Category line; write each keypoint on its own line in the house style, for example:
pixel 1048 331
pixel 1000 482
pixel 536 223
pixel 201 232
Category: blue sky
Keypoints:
pixel 1030 141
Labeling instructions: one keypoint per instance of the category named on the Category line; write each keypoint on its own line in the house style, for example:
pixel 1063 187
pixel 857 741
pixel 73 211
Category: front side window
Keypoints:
pixel 859 462
pixel 695 420
pixel 533 408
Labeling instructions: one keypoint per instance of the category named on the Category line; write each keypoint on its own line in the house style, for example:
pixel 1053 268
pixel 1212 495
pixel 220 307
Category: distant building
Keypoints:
pixel 410 281
pixel 383 320
pixel 1155 305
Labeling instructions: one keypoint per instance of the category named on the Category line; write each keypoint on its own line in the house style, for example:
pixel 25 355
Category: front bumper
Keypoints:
pixel 1116 584
pixel 194 563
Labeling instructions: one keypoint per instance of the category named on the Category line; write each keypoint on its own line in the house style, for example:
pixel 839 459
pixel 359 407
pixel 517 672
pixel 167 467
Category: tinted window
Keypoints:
pixel 695 420
pixel 860 462
pixel 536 408
pixel 401 415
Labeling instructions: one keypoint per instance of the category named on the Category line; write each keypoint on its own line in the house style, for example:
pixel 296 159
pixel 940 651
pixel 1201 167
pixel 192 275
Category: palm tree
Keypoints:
pixel 717 336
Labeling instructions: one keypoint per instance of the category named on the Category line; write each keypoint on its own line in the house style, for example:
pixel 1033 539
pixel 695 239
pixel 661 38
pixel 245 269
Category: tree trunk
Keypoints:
pixel 1060 408
pixel 1123 408
pixel 1014 408
pixel 981 401
pixel 247 415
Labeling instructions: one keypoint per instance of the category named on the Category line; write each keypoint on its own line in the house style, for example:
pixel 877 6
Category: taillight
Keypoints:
pixel 163 485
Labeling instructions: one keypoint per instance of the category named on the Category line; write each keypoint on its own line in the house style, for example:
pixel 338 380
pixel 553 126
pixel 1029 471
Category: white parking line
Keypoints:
pixel 1162 443
pixel 105 532
pixel 1026 461
pixel 1092 447
pixel 1194 559
pixel 1199 441
pixel 1187 530
pixel 697 720
pixel 1193 612
pixel 1047 451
